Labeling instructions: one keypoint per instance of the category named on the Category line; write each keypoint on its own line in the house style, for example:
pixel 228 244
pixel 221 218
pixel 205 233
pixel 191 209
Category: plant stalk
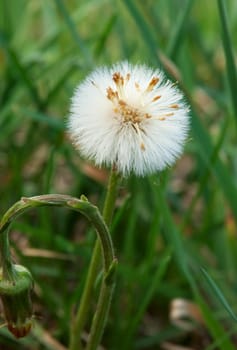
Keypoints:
pixel 106 291
pixel 109 261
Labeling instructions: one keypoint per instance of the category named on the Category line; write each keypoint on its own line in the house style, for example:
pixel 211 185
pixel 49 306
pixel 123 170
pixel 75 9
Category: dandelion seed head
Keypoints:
pixel 129 116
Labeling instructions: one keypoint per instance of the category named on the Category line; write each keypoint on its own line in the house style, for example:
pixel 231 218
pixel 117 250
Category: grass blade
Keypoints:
pixel 220 170
pixel 206 175
pixel 74 33
pixel 104 35
pixel 230 62
pixel 179 30
pixel 219 334
pixel 218 293
pixel 154 285
pixel 147 34
pixel 20 70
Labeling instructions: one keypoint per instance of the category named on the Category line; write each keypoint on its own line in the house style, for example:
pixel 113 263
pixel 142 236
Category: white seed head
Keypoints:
pixel 129 116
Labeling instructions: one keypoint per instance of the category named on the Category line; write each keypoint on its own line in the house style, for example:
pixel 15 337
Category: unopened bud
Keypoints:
pixel 15 294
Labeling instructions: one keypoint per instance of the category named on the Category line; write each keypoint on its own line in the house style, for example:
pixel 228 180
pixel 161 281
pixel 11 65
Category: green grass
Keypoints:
pixel 174 232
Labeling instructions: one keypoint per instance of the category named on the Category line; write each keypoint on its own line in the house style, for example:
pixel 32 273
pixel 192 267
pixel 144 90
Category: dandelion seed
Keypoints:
pixel 129 116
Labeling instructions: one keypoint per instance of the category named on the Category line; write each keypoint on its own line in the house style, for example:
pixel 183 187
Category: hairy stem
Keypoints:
pixel 106 290
pixel 104 242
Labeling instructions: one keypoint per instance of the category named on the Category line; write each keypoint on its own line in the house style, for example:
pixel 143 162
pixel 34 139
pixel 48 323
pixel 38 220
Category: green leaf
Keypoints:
pixel 221 172
pixel 74 32
pixel 230 60
pixel 143 26
pixel 218 293
pixel 152 287
pixel 178 30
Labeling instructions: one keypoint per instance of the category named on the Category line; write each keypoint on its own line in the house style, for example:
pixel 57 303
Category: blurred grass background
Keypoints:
pixel 175 232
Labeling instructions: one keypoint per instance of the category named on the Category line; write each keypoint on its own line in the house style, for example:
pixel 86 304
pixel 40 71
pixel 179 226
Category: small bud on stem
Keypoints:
pixel 15 293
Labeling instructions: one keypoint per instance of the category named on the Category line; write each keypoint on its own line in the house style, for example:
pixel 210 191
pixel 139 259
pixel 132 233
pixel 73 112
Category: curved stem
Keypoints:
pixel 81 205
pixel 104 239
pixel 101 315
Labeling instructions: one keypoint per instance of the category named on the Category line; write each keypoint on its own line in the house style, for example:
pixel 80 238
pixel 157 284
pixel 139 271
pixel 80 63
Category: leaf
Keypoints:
pixel 230 61
pixel 218 293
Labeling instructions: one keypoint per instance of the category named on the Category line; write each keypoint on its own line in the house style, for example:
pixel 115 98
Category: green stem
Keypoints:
pixel 101 315
pixel 104 242
pixel 108 283
pixel 109 261
pixel 110 198
pixel 5 256
pixel 106 290
pixel 81 315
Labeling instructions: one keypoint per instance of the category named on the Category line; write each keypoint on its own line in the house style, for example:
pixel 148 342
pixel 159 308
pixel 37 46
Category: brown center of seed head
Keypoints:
pixel 128 113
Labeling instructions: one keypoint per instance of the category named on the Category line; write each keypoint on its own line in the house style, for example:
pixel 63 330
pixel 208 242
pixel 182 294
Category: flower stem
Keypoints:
pixel 101 315
pixel 110 198
pixel 5 256
pixel 106 289
pixel 109 260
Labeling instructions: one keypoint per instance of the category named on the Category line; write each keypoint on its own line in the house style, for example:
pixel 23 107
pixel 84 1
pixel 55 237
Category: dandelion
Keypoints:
pixel 129 116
